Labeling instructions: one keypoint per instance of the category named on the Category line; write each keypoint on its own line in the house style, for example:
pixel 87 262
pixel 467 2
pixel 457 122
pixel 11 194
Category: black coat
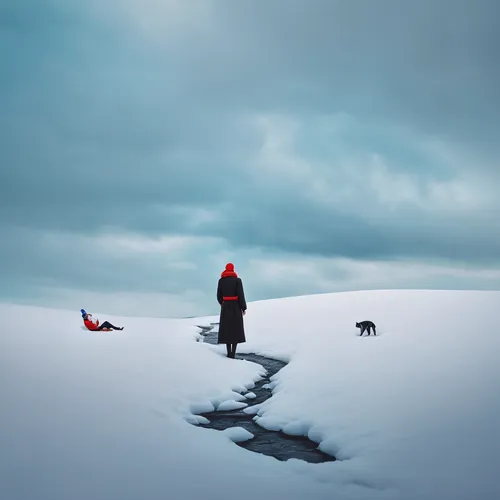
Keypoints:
pixel 231 329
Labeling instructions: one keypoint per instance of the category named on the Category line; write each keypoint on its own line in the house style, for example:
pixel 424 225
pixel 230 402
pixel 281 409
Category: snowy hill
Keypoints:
pixel 409 414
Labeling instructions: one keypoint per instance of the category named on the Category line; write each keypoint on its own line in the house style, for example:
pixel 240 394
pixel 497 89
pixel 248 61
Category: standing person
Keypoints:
pixel 231 298
pixel 93 323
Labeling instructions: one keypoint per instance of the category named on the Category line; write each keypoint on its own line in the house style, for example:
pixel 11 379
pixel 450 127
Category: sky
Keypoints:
pixel 318 145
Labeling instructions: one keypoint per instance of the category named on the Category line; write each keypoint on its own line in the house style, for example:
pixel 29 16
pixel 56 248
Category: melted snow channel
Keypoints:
pixel 241 422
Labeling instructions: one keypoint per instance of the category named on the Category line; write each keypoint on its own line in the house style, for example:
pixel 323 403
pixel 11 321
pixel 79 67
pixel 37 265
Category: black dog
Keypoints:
pixel 366 325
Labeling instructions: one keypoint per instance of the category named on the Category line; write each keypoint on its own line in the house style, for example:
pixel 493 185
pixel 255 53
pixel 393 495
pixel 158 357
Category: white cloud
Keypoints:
pixel 163 22
pixel 128 244
pixel 346 179
pixel 285 275
pixel 130 303
pixel 177 276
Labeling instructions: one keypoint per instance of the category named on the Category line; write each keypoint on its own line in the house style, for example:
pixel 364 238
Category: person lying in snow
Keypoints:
pixel 93 323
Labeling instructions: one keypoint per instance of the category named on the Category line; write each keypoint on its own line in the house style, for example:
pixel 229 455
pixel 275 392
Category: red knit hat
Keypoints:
pixel 229 271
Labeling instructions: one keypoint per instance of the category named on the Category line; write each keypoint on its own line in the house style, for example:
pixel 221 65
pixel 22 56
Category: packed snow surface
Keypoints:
pixel 238 434
pixel 231 405
pixel 410 414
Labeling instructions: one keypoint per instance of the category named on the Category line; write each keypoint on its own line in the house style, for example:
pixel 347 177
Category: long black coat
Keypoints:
pixel 231 329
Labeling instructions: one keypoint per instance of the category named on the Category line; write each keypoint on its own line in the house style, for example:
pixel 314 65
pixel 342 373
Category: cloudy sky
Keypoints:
pixel 320 145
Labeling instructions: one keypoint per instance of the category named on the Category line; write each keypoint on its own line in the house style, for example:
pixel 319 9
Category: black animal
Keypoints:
pixel 366 325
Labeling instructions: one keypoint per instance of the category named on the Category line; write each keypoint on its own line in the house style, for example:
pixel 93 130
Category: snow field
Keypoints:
pixel 411 410
pixel 410 414
pixel 103 415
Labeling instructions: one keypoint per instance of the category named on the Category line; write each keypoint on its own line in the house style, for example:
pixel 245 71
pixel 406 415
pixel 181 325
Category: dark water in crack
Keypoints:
pixel 272 443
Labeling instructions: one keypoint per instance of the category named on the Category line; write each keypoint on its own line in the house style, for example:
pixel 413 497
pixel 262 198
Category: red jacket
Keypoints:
pixel 90 325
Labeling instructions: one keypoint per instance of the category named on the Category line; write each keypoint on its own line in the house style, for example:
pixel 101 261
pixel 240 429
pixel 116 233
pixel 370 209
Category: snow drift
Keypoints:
pixel 410 414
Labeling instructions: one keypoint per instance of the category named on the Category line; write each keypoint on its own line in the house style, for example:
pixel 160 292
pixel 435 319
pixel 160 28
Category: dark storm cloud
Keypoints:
pixel 108 125
pixel 310 230
pixel 40 259
pixel 431 64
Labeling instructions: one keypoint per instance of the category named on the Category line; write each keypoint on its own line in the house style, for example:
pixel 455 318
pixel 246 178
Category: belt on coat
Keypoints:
pixel 230 298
